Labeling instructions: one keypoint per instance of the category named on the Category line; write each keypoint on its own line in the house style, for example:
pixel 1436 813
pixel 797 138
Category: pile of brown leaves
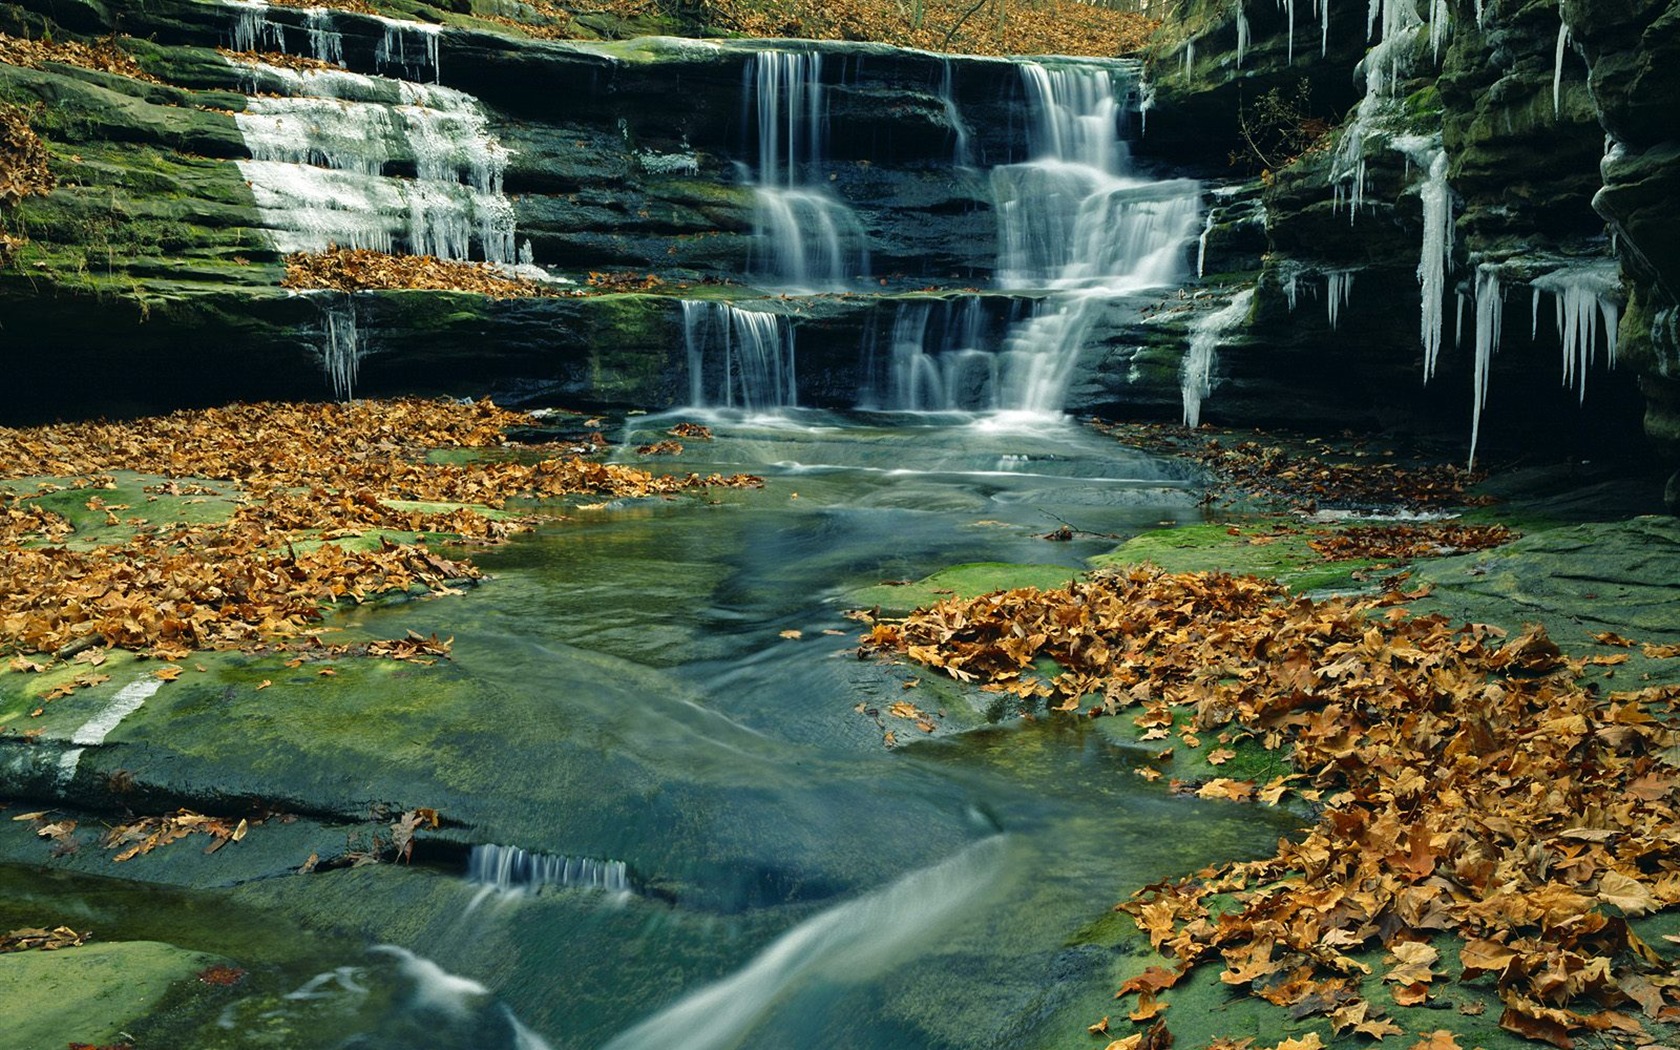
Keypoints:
pixel 1470 788
pixel 994 27
pixel 1305 473
pixel 356 269
pixel 45 940
pixel 300 63
pixel 623 281
pixel 104 56
pixel 148 833
pixel 23 161
pixel 303 472
pixel 1405 542
pixel 361 7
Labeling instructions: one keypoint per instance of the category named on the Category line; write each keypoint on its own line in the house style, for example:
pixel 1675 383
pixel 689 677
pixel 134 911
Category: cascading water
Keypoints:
pixel 848 942
pixel 805 237
pixel 1074 219
pixel 320 152
pixel 509 870
pixel 940 355
pixel 738 358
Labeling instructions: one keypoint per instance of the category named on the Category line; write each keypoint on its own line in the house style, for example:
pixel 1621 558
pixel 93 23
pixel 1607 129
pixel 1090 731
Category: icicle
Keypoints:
pixel 1242 31
pixel 1437 252
pixel 1201 246
pixel 252 31
pixel 341 347
pixel 1587 298
pixel 1289 13
pixel 1458 322
pixel 1339 291
pixel 1189 58
pixel 1557 69
pixel 325 42
pixel 1323 27
pixel 1290 289
pixel 1489 316
pixel 1196 380
pixel 1480 14
pixel 1438 23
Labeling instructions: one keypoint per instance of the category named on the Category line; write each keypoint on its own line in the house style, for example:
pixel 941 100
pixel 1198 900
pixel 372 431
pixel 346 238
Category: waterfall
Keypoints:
pixel 1073 218
pixel 962 156
pixel 1557 69
pixel 738 358
pixel 805 238
pixel 1196 379
pixel 511 870
pixel 320 155
pixel 936 360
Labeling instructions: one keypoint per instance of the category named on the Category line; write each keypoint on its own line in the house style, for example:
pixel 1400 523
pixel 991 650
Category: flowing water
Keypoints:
pixel 689 836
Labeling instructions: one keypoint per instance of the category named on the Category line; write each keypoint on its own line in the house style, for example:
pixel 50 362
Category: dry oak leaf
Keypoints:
pixel 1440 1039
pixel 1148 1007
pixel 1152 980
pixel 1414 959
pixel 1626 893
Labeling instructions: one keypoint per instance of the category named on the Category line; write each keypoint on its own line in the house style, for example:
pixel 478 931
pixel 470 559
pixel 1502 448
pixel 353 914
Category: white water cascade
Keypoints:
pixel 322 153
pixel 511 871
pixel 806 238
pixel 406 49
pixel 850 942
pixel 738 358
pixel 1075 219
pixel 935 359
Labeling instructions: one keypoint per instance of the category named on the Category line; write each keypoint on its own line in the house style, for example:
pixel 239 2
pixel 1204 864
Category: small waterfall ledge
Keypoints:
pixel 509 871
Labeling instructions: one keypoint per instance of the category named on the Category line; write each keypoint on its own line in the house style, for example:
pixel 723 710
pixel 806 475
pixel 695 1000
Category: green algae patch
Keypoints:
pixel 114 511
pixel 1257 549
pixel 959 581
pixel 89 994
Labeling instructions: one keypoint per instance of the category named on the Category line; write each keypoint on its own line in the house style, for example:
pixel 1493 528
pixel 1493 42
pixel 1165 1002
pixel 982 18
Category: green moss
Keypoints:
pixel 1424 104
pixel 959 581
pixel 1248 551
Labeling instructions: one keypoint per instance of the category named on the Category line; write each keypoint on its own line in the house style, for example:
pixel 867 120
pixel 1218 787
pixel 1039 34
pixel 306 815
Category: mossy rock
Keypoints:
pixel 89 994
pixel 959 581
pixel 1242 551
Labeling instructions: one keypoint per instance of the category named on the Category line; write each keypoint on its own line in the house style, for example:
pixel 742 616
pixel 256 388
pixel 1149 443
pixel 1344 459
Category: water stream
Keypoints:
pixel 690 836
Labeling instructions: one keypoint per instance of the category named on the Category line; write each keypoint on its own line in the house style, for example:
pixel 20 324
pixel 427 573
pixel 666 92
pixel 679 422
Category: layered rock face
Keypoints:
pixel 1451 215
pixel 1479 227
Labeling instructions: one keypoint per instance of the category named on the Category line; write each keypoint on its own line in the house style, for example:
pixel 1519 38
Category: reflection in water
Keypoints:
pixel 624 687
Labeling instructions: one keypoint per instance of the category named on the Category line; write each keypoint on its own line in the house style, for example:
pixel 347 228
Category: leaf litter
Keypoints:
pixel 1469 789
pixel 301 477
